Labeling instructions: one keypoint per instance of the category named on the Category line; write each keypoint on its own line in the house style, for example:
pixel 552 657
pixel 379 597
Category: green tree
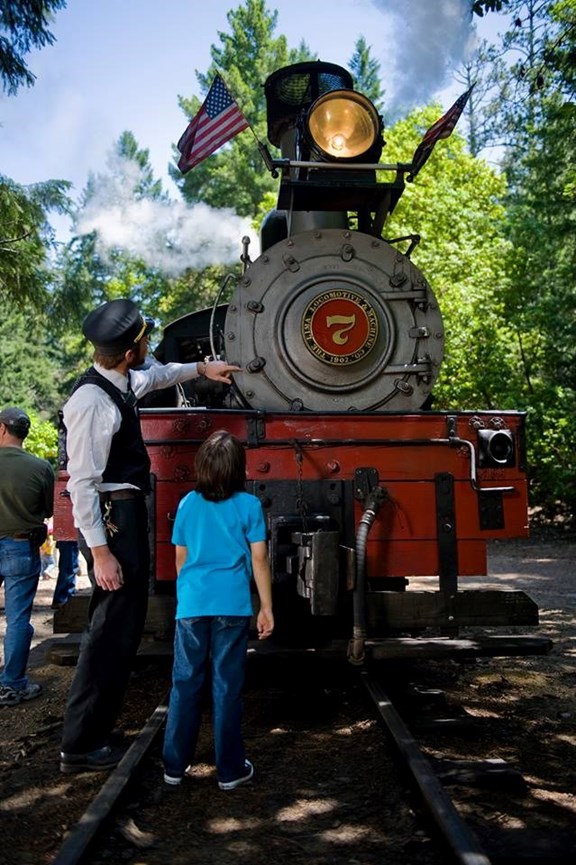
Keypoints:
pixel 365 70
pixel 42 440
pixel 26 238
pixel 541 303
pixel 483 71
pixel 528 112
pixel 23 26
pixel 234 177
pixel 518 81
pixel 30 361
pixel 455 205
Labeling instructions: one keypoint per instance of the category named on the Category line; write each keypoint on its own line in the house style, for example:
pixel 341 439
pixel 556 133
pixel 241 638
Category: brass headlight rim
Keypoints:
pixel 350 96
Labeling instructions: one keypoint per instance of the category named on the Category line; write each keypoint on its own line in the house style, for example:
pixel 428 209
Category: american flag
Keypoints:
pixel 218 120
pixel 443 128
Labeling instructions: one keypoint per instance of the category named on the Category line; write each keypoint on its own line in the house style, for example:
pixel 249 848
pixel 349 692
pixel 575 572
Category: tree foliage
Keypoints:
pixel 23 26
pixel 42 440
pixel 541 303
pixel 365 70
pixel 455 205
pixel 26 237
pixel 30 361
pixel 524 111
pixel 481 7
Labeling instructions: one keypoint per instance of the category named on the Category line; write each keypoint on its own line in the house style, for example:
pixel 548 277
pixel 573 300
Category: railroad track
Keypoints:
pixel 323 806
pixel 78 842
pixel 433 775
pixel 461 840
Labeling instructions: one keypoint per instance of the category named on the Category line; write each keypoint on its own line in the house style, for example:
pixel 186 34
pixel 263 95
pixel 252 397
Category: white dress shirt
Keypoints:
pixel 92 418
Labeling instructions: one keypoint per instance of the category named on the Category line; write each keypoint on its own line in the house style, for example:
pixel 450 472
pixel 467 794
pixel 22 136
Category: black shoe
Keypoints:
pixel 100 760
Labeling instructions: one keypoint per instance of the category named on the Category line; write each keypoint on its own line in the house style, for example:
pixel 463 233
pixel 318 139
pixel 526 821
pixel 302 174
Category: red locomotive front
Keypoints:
pixel 367 490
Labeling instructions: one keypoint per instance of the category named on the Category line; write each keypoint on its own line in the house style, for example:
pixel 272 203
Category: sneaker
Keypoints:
pixel 173 780
pixel 14 696
pixel 94 761
pixel 231 785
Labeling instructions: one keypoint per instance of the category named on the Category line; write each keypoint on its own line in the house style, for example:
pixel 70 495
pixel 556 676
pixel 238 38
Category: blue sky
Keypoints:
pixel 121 64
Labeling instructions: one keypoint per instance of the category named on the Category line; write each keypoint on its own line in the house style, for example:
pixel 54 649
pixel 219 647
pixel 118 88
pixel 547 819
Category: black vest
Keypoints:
pixel 128 461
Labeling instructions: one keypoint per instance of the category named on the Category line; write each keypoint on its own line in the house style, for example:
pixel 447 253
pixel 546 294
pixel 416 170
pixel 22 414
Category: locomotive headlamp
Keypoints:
pixel 496 448
pixel 344 124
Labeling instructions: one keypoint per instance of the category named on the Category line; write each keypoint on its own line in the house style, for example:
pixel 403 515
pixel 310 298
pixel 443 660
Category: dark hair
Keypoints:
pixel 220 466
pixel 109 361
pixel 18 430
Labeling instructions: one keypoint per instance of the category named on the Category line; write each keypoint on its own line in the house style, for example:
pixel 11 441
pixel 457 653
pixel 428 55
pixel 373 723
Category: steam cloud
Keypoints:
pixel 430 38
pixel 169 236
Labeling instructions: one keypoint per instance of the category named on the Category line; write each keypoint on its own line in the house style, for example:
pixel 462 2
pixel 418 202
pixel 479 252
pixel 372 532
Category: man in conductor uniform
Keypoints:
pixel 109 478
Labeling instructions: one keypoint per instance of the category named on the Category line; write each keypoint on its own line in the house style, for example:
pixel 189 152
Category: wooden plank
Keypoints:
pixel 529 846
pixel 443 647
pixel 73 617
pixel 64 651
pixel 493 773
pixel 464 725
pixel 415 609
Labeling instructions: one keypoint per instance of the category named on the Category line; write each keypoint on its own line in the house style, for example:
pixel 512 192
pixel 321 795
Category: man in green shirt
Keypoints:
pixel 26 500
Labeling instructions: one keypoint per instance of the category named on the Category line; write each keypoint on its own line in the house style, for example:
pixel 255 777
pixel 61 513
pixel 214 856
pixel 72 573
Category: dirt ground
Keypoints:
pixel 535 696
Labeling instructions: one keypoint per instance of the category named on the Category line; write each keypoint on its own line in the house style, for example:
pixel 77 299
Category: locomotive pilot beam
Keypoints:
pixel 379 508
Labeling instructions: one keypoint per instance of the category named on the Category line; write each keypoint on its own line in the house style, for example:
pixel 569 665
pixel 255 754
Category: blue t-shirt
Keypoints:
pixel 215 578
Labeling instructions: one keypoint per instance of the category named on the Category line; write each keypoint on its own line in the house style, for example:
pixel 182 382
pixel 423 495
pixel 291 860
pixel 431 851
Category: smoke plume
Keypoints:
pixel 430 38
pixel 169 236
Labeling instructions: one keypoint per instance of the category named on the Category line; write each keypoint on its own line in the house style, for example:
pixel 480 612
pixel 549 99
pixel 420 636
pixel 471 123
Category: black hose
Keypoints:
pixel 356 651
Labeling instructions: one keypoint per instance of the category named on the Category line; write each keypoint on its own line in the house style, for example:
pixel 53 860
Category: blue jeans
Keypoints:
pixel 19 571
pixel 67 571
pixel 219 642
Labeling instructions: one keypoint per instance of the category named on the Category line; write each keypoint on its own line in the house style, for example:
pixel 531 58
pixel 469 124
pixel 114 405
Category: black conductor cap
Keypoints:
pixel 116 326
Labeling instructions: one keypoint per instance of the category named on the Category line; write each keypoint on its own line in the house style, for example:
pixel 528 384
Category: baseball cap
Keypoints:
pixel 16 420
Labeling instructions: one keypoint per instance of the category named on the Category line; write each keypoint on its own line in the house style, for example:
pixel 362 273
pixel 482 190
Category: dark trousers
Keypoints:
pixel 111 640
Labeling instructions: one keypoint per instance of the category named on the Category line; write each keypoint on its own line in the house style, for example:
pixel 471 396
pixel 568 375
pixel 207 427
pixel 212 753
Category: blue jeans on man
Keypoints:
pixel 68 569
pixel 220 642
pixel 20 572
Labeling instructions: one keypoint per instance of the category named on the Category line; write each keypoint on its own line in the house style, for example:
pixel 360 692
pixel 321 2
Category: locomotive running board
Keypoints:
pixel 424 648
pixel 64 651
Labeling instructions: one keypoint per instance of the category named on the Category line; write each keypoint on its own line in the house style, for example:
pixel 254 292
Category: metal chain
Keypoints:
pixel 300 501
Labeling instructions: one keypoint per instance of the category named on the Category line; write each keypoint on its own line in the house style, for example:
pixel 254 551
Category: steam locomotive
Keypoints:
pixel 367 490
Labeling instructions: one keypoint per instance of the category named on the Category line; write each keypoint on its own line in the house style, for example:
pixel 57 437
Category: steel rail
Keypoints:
pixel 461 840
pixel 83 833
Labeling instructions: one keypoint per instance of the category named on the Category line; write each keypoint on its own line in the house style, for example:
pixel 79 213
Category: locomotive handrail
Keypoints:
pixel 454 440
pixel 351 166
